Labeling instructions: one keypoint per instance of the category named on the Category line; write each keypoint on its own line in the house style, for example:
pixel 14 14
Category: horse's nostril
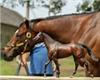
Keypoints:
pixel 5 57
pixel 2 54
pixel 2 49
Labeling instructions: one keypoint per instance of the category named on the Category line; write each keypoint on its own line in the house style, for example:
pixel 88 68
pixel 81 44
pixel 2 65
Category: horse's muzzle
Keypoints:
pixel 5 56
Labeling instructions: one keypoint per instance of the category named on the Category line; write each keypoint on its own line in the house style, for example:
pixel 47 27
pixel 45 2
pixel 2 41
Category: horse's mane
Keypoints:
pixel 54 17
pixel 59 16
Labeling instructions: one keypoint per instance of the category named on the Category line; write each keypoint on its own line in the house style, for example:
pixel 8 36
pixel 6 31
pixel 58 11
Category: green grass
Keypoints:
pixel 66 67
pixel 7 68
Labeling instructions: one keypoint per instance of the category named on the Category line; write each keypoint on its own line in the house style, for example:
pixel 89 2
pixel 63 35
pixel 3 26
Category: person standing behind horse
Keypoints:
pixel 38 58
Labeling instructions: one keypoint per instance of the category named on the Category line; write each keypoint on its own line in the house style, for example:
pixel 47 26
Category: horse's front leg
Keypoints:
pixel 45 66
pixel 76 65
pixel 57 67
pixel 51 56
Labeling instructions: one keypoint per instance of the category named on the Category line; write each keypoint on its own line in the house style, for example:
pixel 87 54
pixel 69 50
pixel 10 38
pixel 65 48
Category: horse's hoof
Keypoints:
pixel 57 76
pixel 44 75
pixel 71 76
pixel 92 76
pixel 73 73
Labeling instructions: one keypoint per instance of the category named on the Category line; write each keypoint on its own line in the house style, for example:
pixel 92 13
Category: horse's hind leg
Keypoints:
pixel 57 66
pixel 76 65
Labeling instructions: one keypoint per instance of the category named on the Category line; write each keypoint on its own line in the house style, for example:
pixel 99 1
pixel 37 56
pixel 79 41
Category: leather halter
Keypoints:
pixel 25 42
pixel 19 44
pixel 28 36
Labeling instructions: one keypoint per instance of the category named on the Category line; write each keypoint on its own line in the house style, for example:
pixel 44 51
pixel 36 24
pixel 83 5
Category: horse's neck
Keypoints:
pixel 60 27
pixel 64 29
pixel 48 40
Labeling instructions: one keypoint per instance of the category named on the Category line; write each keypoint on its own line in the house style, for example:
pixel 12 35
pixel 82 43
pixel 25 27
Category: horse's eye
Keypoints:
pixel 18 36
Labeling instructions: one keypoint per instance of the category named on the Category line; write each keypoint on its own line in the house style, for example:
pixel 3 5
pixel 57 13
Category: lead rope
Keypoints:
pixel 24 65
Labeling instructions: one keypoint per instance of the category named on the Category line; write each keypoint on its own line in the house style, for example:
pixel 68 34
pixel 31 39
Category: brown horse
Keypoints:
pixel 57 50
pixel 82 28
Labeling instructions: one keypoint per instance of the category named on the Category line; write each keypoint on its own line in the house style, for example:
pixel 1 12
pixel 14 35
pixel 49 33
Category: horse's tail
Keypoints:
pixel 90 52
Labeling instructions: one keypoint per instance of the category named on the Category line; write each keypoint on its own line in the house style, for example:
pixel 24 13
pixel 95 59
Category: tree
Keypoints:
pixel 89 5
pixel 96 5
pixel 54 6
pixel 9 3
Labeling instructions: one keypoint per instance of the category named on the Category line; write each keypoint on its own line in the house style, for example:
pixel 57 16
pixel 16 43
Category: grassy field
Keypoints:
pixel 7 68
pixel 66 67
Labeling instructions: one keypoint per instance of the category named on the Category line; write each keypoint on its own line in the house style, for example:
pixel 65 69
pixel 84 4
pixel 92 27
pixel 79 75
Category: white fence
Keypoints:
pixel 46 78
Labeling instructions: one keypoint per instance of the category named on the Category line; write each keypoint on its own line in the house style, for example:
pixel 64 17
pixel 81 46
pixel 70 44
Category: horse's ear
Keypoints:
pixel 27 23
pixel 40 19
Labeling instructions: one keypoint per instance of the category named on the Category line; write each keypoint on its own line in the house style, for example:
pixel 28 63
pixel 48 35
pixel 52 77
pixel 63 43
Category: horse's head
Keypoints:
pixel 20 42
